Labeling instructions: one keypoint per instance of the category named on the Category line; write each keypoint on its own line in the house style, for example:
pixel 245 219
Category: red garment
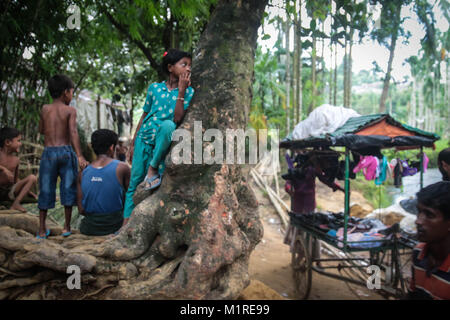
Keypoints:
pixel 303 197
pixel 435 285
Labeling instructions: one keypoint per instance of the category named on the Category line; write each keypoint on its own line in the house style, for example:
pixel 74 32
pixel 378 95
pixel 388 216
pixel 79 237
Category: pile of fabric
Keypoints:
pixel 407 223
pixel 322 120
pixel 361 232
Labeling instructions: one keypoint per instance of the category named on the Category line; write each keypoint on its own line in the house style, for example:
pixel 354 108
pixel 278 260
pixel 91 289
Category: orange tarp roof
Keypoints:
pixel 383 128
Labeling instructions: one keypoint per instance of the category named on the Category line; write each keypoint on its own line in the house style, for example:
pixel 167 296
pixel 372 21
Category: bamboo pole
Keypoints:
pixel 268 189
pixel 272 197
pixel 275 174
pixel 31 144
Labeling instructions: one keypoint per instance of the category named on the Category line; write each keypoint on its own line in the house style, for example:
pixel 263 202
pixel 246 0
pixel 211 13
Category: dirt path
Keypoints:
pixel 271 259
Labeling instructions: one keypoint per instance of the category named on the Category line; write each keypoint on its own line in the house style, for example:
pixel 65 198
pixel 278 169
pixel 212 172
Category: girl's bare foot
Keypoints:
pixel 66 231
pixel 152 172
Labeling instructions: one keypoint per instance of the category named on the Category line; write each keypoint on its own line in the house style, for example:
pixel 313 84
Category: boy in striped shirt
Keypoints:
pixel 431 257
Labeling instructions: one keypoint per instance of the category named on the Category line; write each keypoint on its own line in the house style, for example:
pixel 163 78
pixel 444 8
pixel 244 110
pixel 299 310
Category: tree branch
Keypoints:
pixel 145 50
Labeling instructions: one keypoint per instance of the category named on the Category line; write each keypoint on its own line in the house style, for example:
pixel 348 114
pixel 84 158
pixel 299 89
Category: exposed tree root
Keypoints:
pixel 191 239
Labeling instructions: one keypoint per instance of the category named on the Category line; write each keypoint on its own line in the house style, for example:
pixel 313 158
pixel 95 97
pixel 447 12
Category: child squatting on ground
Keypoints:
pixel 59 126
pixel 11 187
pixel 164 107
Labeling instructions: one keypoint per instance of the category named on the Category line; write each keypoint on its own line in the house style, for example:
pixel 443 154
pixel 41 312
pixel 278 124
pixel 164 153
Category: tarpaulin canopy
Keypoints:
pixel 375 130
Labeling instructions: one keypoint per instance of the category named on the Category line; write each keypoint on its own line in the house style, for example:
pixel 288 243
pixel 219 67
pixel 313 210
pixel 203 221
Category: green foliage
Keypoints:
pixel 268 92
pixel 377 196
pixel 25 79
pixel 390 21
pixel 117 51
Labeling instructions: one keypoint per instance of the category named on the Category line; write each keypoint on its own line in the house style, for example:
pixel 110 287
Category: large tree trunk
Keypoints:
pixel 387 78
pixel 192 238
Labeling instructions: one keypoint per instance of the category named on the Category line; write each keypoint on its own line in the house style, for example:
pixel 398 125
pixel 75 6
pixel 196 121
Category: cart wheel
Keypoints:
pixel 301 267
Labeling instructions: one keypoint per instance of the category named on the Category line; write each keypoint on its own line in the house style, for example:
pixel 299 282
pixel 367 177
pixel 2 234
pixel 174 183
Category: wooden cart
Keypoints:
pixel 383 256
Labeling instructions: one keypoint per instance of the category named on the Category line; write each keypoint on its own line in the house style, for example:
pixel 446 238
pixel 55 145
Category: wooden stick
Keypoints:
pixel 273 199
pixel 273 192
pixel 31 144
pixel 25 155
pixel 96 292
pixel 22 167
pixel 275 174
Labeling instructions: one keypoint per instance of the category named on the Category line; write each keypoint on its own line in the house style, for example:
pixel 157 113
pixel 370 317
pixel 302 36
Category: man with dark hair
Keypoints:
pixel 431 257
pixel 11 187
pixel 58 123
pixel 101 187
pixel 444 164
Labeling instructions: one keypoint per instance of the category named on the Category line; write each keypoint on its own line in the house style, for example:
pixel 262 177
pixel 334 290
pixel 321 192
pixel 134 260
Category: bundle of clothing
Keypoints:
pixel 361 232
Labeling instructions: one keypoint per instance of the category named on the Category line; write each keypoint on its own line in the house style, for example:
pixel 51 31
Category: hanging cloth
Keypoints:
pixel 398 172
pixel 425 162
pixel 416 164
pixel 289 161
pixel 407 170
pixel 377 172
pixel 369 166
pixel 383 168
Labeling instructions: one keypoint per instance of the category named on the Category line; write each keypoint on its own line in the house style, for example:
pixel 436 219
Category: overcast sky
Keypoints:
pixel 364 54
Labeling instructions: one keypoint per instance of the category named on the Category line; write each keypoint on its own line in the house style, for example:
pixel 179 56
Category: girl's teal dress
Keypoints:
pixel 154 137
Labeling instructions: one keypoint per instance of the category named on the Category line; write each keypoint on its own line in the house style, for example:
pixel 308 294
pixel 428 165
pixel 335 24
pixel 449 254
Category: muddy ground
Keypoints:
pixel 270 262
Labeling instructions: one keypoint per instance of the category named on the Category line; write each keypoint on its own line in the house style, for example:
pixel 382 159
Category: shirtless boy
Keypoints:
pixel 59 126
pixel 11 187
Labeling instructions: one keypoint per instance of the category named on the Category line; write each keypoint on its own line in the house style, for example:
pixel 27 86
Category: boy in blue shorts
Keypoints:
pixel 58 124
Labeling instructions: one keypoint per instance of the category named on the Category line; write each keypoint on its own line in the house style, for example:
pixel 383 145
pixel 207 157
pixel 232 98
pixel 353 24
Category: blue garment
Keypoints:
pixel 145 155
pixel 58 161
pixel 383 168
pixel 102 191
pixel 160 106
pixel 154 137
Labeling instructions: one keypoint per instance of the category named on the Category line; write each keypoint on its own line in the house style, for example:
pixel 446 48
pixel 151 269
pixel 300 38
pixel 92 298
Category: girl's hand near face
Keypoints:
pixel 184 81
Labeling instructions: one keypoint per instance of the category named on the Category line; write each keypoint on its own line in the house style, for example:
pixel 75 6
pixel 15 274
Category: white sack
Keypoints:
pixel 323 119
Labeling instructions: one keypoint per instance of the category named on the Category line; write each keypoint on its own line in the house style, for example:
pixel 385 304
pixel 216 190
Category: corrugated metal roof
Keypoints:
pixel 355 124
pixel 347 135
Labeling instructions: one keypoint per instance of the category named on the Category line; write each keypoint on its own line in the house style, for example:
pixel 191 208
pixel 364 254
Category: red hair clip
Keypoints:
pixel 165 54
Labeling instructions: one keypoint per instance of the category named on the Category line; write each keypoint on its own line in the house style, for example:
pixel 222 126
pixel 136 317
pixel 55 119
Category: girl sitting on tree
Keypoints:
pixel 164 107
